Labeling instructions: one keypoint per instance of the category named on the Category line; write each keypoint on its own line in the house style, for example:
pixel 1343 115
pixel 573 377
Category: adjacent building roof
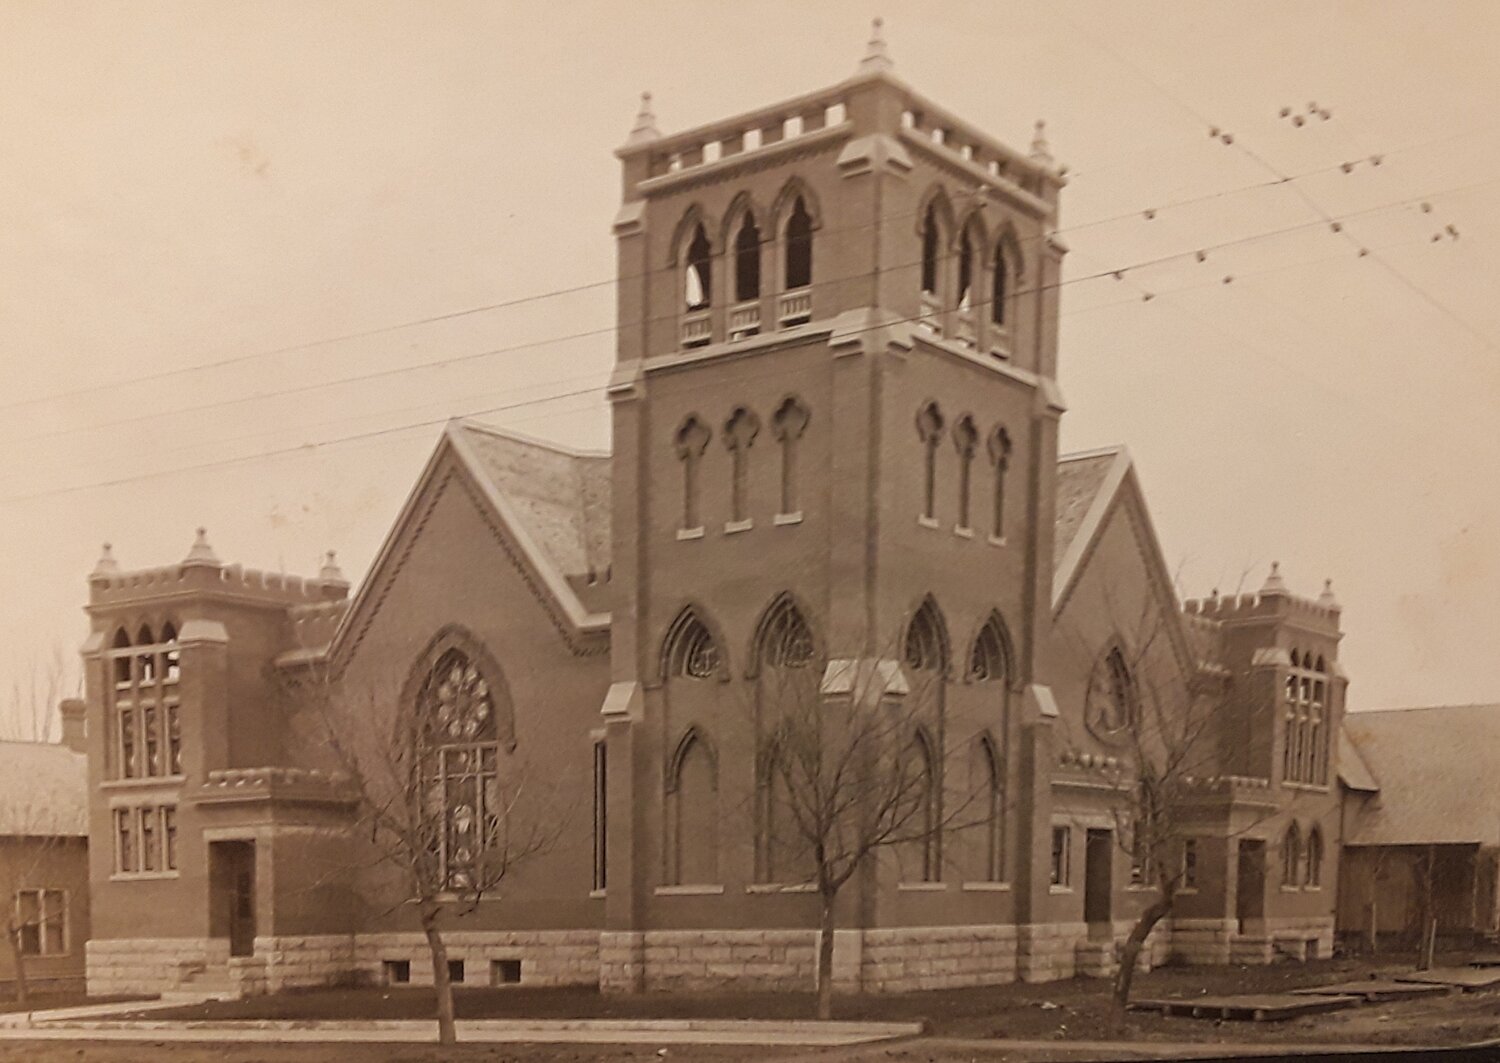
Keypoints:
pixel 43 790
pixel 1438 773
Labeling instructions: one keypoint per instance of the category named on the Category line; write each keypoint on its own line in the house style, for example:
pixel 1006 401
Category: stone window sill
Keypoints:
pixel 144 782
pixel 781 887
pixel 782 519
pixel 733 526
pixel 684 534
pixel 595 894
pixel 928 522
pixel 986 887
pixel 921 887
pixel 963 531
pixel 142 876
pixel 997 540
pixel 1056 889
pixel 689 891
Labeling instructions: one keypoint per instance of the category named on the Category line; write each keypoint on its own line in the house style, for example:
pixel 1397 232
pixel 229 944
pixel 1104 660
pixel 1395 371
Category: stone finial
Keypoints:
pixel 1041 151
pixel 1274 583
pixel 1326 599
pixel 201 553
pixel 876 56
pixel 330 572
pixel 644 131
pixel 106 566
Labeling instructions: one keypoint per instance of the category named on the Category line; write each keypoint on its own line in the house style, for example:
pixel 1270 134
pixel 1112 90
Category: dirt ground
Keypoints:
pixel 962 1023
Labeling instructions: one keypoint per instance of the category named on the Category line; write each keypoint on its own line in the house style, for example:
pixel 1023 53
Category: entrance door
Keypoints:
pixel 232 876
pixel 1098 882
pixel 1250 883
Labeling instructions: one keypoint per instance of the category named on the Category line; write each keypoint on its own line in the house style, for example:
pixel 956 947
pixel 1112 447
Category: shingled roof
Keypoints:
pixel 43 791
pixel 1438 771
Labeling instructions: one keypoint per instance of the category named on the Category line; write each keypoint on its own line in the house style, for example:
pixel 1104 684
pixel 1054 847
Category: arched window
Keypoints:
pixel 999 286
pixel 146 661
pixel 698 279
pixel 690 651
pixel 460 766
pixel 1291 856
pixel 989 660
pixel 785 641
pixel 1121 689
pixel 783 853
pixel 926 645
pixel 1314 870
pixel 799 246
pixel 999 450
pixel 121 667
pixel 747 260
pixel 931 245
pixel 965 441
pixel 921 855
pixel 987 793
pixel 1112 701
pixel 930 431
pixel 693 814
pixel 690 442
pixel 965 270
pixel 788 424
pixel 739 433
pixel 171 657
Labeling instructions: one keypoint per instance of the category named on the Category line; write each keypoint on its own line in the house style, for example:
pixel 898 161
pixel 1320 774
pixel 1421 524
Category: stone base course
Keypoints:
pixel 548 957
pixel 941 957
pixel 124 966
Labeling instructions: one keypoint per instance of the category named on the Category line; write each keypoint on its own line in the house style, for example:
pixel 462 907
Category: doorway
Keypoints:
pixel 1098 882
pixel 232 880
pixel 1250 883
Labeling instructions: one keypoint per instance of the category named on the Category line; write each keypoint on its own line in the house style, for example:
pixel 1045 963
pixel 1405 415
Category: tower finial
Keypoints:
pixel 1274 583
pixel 876 56
pixel 1041 151
pixel 331 573
pixel 201 553
pixel 106 566
pixel 644 131
pixel 1326 599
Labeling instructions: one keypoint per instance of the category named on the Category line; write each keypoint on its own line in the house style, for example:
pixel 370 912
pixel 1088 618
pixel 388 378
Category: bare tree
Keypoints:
pixel 443 810
pixel 1173 729
pixel 36 688
pixel 845 769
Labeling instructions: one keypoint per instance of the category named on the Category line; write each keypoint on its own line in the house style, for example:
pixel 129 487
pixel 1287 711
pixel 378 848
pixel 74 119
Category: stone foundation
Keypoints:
pixel 300 962
pixel 546 957
pixel 133 966
pixel 941 957
pixel 1203 941
pixel 729 959
pixel 1210 941
pixel 1046 952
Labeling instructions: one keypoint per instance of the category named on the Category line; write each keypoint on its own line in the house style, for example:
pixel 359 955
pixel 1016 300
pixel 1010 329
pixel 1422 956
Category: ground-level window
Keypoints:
pixel 1061 862
pixel 42 917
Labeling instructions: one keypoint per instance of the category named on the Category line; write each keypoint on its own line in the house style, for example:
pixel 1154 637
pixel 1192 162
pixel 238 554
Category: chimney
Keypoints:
pixel 74 726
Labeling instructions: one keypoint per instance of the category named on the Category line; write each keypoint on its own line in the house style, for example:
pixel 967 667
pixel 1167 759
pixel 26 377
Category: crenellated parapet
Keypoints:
pixel 279 784
pixel 203 573
pixel 1272 603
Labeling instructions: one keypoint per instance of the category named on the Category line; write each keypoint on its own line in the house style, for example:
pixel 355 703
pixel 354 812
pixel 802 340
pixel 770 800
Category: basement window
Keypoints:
pixel 455 971
pixel 505 972
pixel 397 972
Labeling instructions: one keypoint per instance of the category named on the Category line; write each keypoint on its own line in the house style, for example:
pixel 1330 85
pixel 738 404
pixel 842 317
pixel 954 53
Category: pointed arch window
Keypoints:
pixel 966 442
pixel 988 793
pixel 799 249
pixel 460 766
pixel 788 424
pixel 1313 871
pixel 926 646
pixel 965 299
pixel 921 860
pixel 693 814
pixel 121 661
pixel 785 639
pixel 1113 704
pixel 999 451
pixel 747 260
pixel 146 662
pixel 698 278
pixel 691 652
pixel 989 660
pixel 930 431
pixel 931 240
pixel 1291 857
pixel 739 433
pixel 999 287
pixel 171 658
pixel 690 442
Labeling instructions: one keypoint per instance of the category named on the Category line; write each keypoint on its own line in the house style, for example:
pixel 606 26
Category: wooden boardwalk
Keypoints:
pixel 1371 990
pixel 1252 1007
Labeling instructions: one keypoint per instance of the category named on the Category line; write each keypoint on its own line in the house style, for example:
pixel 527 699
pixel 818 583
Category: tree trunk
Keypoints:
pixel 1131 950
pixel 825 959
pixel 23 993
pixel 447 1032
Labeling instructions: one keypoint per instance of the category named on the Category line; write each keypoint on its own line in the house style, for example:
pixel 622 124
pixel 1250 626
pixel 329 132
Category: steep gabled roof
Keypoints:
pixel 1439 775
pixel 44 791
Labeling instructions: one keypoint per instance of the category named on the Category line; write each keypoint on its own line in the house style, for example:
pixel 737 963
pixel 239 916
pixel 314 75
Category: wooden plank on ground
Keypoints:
pixel 1486 959
pixel 1249 1007
pixel 1372 989
pixel 1466 978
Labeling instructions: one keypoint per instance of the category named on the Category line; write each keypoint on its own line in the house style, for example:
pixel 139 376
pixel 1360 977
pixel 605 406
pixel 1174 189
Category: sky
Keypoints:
pixel 255 254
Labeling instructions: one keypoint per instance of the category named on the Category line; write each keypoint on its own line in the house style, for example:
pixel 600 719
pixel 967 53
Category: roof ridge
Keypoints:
pixel 521 437
pixel 1425 708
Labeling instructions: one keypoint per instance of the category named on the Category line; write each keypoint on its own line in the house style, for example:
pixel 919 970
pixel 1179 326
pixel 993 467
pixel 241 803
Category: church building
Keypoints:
pixel 834 452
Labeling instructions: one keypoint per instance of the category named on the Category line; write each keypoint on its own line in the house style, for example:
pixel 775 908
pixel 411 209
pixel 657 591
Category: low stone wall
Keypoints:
pixel 547 957
pixel 148 965
pixel 1211 941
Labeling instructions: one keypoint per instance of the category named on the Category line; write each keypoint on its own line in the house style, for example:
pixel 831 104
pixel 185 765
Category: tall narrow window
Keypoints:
pixel 698 280
pixel 987 792
pixel 965 270
pixel 999 449
pixel 125 840
pixel 151 728
pixel 930 241
pixel 1062 844
pixel 921 859
pixel 785 640
pixel 1190 864
pixel 693 815
pixel 989 660
pixel 169 836
pixel 786 684
pixel 930 431
pixel 739 433
pixel 799 246
pixel 601 814
pixel 926 646
pixel 128 767
pixel 121 660
pixel 174 741
pixel 1291 857
pixel 171 656
pixel 965 441
pixel 149 849
pixel 999 287
pixel 1314 863
pixel 788 424
pixel 747 261
pixel 690 442
pixel 146 662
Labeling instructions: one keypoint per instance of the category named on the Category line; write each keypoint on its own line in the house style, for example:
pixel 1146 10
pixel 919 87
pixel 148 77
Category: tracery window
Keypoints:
pixel 989 659
pixel 144 717
pixel 930 431
pixel 785 640
pixel 1305 738
pixel 461 765
pixel 691 651
pixel 1113 704
pixel 799 246
pixel 926 646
